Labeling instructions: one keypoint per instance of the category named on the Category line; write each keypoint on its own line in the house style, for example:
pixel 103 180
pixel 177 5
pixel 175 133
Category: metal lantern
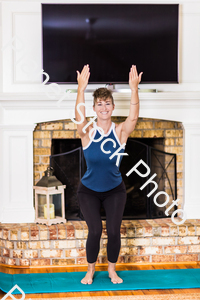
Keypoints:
pixel 49 199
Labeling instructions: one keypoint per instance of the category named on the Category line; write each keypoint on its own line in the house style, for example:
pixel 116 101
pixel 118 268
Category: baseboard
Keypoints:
pixel 73 268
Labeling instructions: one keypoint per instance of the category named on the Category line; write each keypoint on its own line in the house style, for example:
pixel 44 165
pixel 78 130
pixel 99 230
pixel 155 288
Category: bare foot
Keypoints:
pixel 112 273
pixel 88 279
pixel 114 277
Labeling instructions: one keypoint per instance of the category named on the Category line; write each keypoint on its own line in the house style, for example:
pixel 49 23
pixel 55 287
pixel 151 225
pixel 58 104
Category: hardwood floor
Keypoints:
pixel 104 268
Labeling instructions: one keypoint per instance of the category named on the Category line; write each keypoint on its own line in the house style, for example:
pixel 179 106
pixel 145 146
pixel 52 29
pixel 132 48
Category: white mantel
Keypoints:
pixel 23 103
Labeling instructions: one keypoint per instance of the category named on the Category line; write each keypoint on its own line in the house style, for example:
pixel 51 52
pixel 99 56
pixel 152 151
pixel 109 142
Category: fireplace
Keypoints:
pixel 27 134
pixel 157 142
pixel 69 165
pixel 142 240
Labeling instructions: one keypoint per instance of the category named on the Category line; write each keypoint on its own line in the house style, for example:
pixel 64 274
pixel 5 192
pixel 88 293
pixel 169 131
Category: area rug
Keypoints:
pixel 70 281
pixel 188 296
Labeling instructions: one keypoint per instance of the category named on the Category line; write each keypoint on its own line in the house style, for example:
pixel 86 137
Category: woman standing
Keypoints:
pixel 102 183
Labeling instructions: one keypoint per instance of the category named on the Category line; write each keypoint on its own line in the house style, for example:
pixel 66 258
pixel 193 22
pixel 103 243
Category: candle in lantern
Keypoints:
pixel 51 211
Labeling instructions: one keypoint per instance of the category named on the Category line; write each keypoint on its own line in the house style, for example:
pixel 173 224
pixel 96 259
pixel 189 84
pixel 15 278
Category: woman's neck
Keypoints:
pixel 104 124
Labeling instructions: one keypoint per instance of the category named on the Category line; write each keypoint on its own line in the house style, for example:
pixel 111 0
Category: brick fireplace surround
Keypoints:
pixel 142 241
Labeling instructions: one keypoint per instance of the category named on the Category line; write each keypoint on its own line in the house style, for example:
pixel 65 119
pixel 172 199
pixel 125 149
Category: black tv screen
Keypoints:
pixel 110 38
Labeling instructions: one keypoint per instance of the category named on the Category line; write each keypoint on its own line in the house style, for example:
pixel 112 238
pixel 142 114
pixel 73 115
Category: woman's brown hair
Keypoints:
pixel 102 93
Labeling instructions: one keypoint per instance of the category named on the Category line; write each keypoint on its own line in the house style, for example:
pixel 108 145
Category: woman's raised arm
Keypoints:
pixel 82 79
pixel 130 122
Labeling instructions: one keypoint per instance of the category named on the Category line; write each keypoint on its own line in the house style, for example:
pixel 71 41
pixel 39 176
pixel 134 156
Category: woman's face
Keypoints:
pixel 103 108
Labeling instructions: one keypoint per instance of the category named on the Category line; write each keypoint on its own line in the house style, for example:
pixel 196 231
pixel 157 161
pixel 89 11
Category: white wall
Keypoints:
pixel 22 20
pixel 1 56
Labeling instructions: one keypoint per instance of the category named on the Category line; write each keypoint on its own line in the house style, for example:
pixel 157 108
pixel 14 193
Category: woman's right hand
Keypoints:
pixel 83 78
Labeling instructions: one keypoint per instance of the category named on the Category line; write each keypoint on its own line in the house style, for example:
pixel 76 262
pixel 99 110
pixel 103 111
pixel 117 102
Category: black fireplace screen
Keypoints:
pixel 69 166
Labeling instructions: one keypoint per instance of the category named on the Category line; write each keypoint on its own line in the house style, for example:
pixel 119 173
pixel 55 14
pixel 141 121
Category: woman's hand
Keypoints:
pixel 83 78
pixel 134 79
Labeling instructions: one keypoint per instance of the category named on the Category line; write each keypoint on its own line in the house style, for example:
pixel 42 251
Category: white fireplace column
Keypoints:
pixel 16 173
pixel 18 119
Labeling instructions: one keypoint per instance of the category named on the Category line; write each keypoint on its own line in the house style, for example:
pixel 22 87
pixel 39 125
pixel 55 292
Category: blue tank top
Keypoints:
pixel 102 174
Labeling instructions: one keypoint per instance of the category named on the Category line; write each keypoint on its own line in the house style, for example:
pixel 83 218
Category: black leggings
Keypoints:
pixel 114 203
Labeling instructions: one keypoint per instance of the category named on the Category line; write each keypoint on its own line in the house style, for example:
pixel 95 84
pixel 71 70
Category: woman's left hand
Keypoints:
pixel 134 78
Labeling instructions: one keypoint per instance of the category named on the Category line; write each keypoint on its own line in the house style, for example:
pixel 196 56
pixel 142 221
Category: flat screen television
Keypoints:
pixel 110 38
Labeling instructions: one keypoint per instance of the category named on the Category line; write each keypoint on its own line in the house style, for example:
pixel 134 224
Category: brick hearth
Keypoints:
pixel 142 241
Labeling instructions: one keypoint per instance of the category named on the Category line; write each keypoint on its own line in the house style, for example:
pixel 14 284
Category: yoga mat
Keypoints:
pixel 70 281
